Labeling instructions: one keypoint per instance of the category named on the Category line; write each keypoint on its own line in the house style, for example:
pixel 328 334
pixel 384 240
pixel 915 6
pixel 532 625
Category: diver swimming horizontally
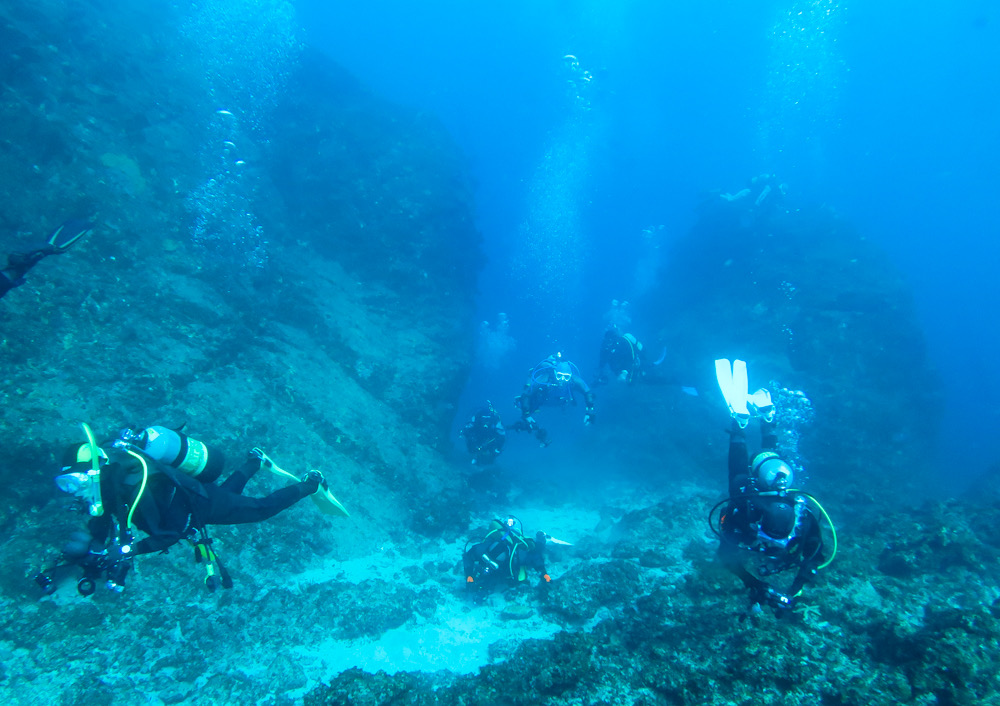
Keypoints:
pixel 161 482
pixel 766 522
pixel 18 263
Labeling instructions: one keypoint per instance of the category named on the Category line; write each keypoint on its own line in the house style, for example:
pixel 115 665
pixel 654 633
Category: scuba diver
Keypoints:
pixel 162 482
pixel 765 517
pixel 620 357
pixel 503 557
pixel 554 381
pixel 759 199
pixel 623 359
pixel 18 263
pixel 484 435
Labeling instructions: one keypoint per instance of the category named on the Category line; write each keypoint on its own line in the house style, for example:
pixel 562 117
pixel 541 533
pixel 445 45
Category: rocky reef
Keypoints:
pixel 907 616
pixel 298 273
pixel 206 296
pixel 225 285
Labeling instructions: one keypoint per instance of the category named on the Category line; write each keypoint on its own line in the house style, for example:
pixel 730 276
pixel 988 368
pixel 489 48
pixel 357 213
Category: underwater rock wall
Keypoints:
pixel 812 304
pixel 289 330
pixel 382 191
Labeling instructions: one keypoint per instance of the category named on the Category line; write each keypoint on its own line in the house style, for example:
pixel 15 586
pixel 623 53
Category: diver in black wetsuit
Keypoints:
pixel 503 557
pixel 620 357
pixel 484 435
pixel 168 497
pixel 18 263
pixel 764 518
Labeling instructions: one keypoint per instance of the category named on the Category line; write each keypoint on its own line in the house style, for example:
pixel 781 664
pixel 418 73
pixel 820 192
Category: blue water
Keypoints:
pixel 886 112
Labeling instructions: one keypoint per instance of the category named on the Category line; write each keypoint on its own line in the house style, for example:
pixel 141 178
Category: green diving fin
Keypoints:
pixel 328 504
pixel 323 498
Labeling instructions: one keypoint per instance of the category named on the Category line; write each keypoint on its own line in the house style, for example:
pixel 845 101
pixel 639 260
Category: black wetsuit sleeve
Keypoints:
pixel 8 283
pixel 583 388
pixel 525 401
pixel 472 556
pixel 100 528
pixel 164 513
pixel 768 436
pixel 604 359
pixel 739 461
pixel 18 263
pixel 813 556
pixel 534 557
pixel 160 537
pixel 731 557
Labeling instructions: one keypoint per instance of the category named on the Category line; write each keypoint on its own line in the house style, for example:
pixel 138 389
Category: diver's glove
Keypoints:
pixel 531 423
pixel 588 417
pixel 760 405
pixel 779 601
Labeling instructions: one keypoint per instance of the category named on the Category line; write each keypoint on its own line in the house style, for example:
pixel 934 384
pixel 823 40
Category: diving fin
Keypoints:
pixel 328 504
pixel 550 538
pixel 734 386
pixel 323 498
pixel 740 392
pixel 68 233
pixel 724 374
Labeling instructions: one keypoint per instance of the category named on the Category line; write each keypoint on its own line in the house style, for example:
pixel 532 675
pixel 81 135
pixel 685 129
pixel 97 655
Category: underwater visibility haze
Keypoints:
pixel 505 301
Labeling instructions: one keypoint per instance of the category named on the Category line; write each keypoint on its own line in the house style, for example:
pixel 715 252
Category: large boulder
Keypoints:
pixel 813 305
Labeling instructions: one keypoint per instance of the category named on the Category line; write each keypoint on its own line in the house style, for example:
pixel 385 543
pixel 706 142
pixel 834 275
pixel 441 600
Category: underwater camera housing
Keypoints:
pixel 109 563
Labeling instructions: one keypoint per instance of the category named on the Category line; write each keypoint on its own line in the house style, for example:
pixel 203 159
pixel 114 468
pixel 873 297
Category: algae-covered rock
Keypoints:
pixel 584 589
pixel 311 351
pixel 359 688
pixel 368 607
pixel 225 290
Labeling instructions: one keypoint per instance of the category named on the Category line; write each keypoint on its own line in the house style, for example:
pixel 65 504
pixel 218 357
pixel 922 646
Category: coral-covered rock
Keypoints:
pixel 586 588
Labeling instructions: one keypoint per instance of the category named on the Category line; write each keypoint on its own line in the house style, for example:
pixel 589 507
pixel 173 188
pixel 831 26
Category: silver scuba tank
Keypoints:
pixel 177 450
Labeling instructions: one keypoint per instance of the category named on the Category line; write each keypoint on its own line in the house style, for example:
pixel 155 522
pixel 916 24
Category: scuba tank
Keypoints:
pixel 190 456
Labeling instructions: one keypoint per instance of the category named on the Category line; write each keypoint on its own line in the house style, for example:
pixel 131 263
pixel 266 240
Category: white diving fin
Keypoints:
pixel 550 538
pixel 724 374
pixel 734 385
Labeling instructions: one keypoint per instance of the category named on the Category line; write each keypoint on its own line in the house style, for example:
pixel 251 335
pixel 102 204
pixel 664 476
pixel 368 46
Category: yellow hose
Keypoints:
pixel 142 487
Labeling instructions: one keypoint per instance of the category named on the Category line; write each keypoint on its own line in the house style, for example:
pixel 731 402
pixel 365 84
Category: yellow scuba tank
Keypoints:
pixel 177 450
